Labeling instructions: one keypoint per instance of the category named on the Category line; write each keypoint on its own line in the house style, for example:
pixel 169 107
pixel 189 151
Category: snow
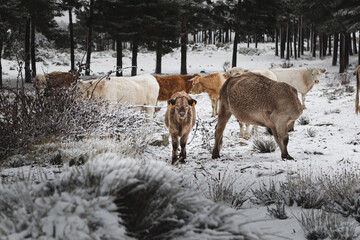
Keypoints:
pixel 330 109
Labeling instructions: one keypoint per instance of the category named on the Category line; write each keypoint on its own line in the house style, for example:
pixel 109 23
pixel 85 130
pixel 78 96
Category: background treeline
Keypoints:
pixel 324 27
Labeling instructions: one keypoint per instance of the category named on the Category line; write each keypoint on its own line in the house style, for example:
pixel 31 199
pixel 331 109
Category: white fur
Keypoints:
pixel 138 90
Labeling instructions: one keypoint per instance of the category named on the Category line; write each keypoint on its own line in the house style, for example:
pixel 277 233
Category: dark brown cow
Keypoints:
pixel 173 83
pixel 180 118
pixel 54 80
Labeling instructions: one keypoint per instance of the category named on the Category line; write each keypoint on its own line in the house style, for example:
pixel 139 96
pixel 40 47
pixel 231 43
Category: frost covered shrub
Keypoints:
pixel 264 145
pixel 303 120
pixel 220 189
pixel 314 224
pixel 113 198
pixel 31 118
pixel 344 193
pixel 307 192
pixel 310 132
pixel 268 194
pixel 278 212
pixel 321 225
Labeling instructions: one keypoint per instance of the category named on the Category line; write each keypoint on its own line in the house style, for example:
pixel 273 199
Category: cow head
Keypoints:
pixel 196 86
pixel 180 105
pixel 316 73
pixel 40 81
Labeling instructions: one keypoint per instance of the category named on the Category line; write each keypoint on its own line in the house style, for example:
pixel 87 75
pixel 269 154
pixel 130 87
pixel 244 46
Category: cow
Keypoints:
pixel 303 79
pixel 140 90
pixel 257 100
pixel 173 83
pixel 55 80
pixel 180 118
pixel 357 72
pixel 238 71
pixel 210 84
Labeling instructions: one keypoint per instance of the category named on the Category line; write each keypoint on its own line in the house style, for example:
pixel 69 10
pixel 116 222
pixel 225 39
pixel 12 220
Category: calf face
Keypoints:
pixel 181 107
pixel 197 88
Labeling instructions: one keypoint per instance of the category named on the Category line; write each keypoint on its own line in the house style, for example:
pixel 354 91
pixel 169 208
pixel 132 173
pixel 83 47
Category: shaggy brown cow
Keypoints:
pixel 55 80
pixel 211 84
pixel 357 72
pixel 173 83
pixel 257 100
pixel 180 118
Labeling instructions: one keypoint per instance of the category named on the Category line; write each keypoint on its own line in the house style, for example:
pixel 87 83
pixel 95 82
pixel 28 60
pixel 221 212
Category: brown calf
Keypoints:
pixel 180 118
pixel 54 80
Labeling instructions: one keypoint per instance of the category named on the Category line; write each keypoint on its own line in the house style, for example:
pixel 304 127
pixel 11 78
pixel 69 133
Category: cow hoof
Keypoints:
pixel 215 155
pixel 286 157
pixel 181 160
pixel 173 161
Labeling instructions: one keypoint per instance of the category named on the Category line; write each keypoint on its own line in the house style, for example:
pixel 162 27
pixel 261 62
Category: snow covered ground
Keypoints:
pixel 331 149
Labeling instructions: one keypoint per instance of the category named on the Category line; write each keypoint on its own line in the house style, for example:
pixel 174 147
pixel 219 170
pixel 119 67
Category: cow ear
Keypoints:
pixel 192 102
pixel 323 70
pixel 171 102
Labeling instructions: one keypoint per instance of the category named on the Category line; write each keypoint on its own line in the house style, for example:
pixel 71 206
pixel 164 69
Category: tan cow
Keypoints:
pixel 357 72
pixel 141 90
pixel 210 84
pixel 303 79
pixel 180 118
pixel 257 100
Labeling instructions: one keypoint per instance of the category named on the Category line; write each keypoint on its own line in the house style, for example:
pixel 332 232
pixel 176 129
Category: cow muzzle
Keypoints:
pixel 317 81
pixel 182 114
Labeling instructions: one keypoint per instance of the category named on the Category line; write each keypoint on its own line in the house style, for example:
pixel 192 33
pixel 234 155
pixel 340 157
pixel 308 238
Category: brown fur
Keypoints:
pixel 357 72
pixel 257 100
pixel 180 127
pixel 211 84
pixel 55 80
pixel 172 84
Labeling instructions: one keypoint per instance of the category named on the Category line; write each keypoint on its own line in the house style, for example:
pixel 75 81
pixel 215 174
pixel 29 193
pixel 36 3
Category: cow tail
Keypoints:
pixel 357 90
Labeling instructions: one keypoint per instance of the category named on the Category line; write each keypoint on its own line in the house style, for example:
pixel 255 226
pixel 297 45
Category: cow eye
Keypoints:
pixel 171 102
pixel 192 102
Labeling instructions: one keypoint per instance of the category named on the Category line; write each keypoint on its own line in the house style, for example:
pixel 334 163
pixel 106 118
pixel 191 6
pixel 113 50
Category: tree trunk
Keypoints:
pixel 342 53
pixel 1 47
pixel 329 45
pixel 335 50
pixel 184 40
pixel 32 49
pixel 359 50
pixel 347 50
pixel 325 37
pixel 295 36
pixel 321 47
pixel 314 43
pixel 348 36
pixel 354 42
pixel 227 35
pixel 256 40
pixel 27 52
pixel 158 58
pixel 89 39
pixel 210 37
pixel 282 42
pixel 288 39
pixel 299 37
pixel 72 49
pixel 237 32
pixel 276 42
pixel 248 41
pixel 119 63
pixel 134 58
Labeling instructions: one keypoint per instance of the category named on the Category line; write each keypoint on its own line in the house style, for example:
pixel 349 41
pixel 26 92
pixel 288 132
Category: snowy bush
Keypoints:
pixel 321 225
pixel 307 192
pixel 264 145
pixel 220 189
pixel 278 212
pixel 310 132
pixel 113 198
pixel 31 118
pixel 303 120
pixel 267 194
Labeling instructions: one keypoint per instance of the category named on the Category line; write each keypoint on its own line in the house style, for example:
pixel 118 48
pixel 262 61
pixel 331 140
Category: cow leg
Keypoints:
pixel 281 136
pixel 241 124
pixel 149 113
pixel 254 130
pixel 213 108
pixel 247 131
pixel 175 146
pixel 183 141
pixel 224 116
pixel 303 100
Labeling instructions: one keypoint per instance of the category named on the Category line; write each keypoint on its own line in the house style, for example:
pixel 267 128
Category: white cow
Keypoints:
pixel 303 79
pixel 138 90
